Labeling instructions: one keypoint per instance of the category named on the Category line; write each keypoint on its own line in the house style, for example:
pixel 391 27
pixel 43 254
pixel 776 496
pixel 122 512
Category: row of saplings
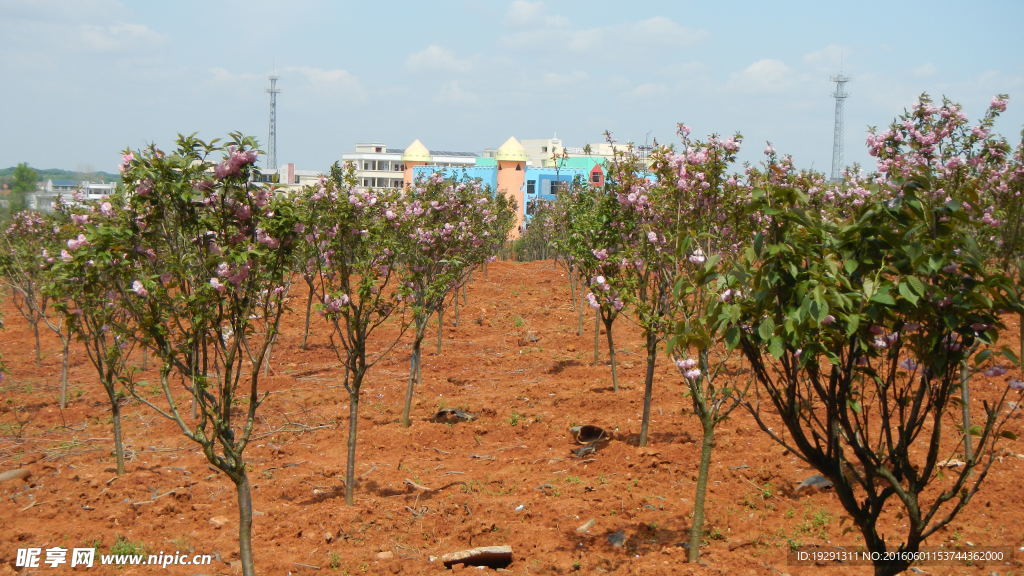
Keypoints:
pixel 857 306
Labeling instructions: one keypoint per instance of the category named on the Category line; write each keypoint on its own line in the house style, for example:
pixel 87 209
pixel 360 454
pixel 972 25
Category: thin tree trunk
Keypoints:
pixel 115 416
pixel 456 322
pixel 353 423
pixel 965 397
pixel 578 302
pixel 597 335
pixel 414 370
pixel 652 353
pixel 245 524
pixel 611 352
pixel 64 365
pixel 39 348
pixel 266 357
pixel 440 328
pixel 697 528
pixel 309 309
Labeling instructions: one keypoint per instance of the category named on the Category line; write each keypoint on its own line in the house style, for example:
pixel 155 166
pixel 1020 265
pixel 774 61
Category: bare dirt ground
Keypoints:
pixel 507 478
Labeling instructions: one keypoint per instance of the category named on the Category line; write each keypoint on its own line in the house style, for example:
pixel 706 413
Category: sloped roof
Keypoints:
pixel 511 151
pixel 586 163
pixel 416 152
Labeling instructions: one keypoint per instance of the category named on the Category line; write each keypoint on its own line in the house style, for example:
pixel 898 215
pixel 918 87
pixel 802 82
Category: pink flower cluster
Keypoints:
pixel 233 164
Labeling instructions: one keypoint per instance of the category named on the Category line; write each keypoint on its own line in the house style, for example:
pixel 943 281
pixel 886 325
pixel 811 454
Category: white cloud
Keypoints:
pixel 121 37
pixel 336 81
pixel 523 13
pixel 453 94
pixel 628 39
pixel 435 57
pixel 767 75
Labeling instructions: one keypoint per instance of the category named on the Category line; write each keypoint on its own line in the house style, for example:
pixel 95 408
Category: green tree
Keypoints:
pixel 198 256
pixel 855 329
pixel 450 227
pixel 23 181
pixel 354 239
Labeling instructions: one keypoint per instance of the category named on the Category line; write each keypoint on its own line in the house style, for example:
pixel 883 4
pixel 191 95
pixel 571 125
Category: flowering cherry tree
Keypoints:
pixel 645 270
pixel 80 284
pixel 449 227
pixel 199 260
pixel 592 245
pixel 856 328
pixel 27 243
pixel 934 148
pixel 703 221
pixel 33 241
pixel 355 240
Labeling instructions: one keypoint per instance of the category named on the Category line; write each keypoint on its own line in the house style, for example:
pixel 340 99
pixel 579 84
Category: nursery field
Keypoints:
pixel 508 477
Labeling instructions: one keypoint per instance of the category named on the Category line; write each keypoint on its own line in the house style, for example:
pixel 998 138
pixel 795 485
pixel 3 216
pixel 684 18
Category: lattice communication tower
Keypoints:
pixel 272 139
pixel 837 138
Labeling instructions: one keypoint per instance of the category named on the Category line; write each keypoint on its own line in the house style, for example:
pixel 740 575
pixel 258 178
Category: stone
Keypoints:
pixel 16 474
pixel 489 556
pixel 218 521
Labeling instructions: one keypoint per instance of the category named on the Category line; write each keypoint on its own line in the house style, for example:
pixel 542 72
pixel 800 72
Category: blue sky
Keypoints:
pixel 88 78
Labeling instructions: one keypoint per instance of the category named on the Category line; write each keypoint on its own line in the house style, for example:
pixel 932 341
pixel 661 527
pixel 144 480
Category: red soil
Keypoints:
pixel 506 478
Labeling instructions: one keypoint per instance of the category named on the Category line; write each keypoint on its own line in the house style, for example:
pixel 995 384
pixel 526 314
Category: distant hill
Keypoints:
pixel 58 174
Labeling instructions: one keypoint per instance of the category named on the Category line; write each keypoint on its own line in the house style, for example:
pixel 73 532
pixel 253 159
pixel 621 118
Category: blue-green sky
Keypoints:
pixel 84 79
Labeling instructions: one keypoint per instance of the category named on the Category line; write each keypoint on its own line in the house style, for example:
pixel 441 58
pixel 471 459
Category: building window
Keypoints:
pixel 595 177
pixel 531 186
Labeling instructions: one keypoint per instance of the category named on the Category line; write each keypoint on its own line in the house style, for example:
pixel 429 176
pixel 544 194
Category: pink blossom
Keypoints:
pixel 76 243
pixel 995 371
pixel 592 300
pixel 216 284
pixel 697 257
pixel 998 104
pixel 692 374
pixel 139 289
pixel 687 364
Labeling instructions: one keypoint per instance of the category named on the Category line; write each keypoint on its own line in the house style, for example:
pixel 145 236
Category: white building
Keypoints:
pixel 377 166
pixel 287 176
pixel 44 199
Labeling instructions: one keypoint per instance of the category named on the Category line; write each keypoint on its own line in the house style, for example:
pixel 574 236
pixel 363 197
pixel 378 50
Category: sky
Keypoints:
pixel 86 79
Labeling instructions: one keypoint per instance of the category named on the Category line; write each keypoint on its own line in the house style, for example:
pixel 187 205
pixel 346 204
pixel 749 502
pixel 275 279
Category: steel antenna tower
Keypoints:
pixel 837 138
pixel 272 140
